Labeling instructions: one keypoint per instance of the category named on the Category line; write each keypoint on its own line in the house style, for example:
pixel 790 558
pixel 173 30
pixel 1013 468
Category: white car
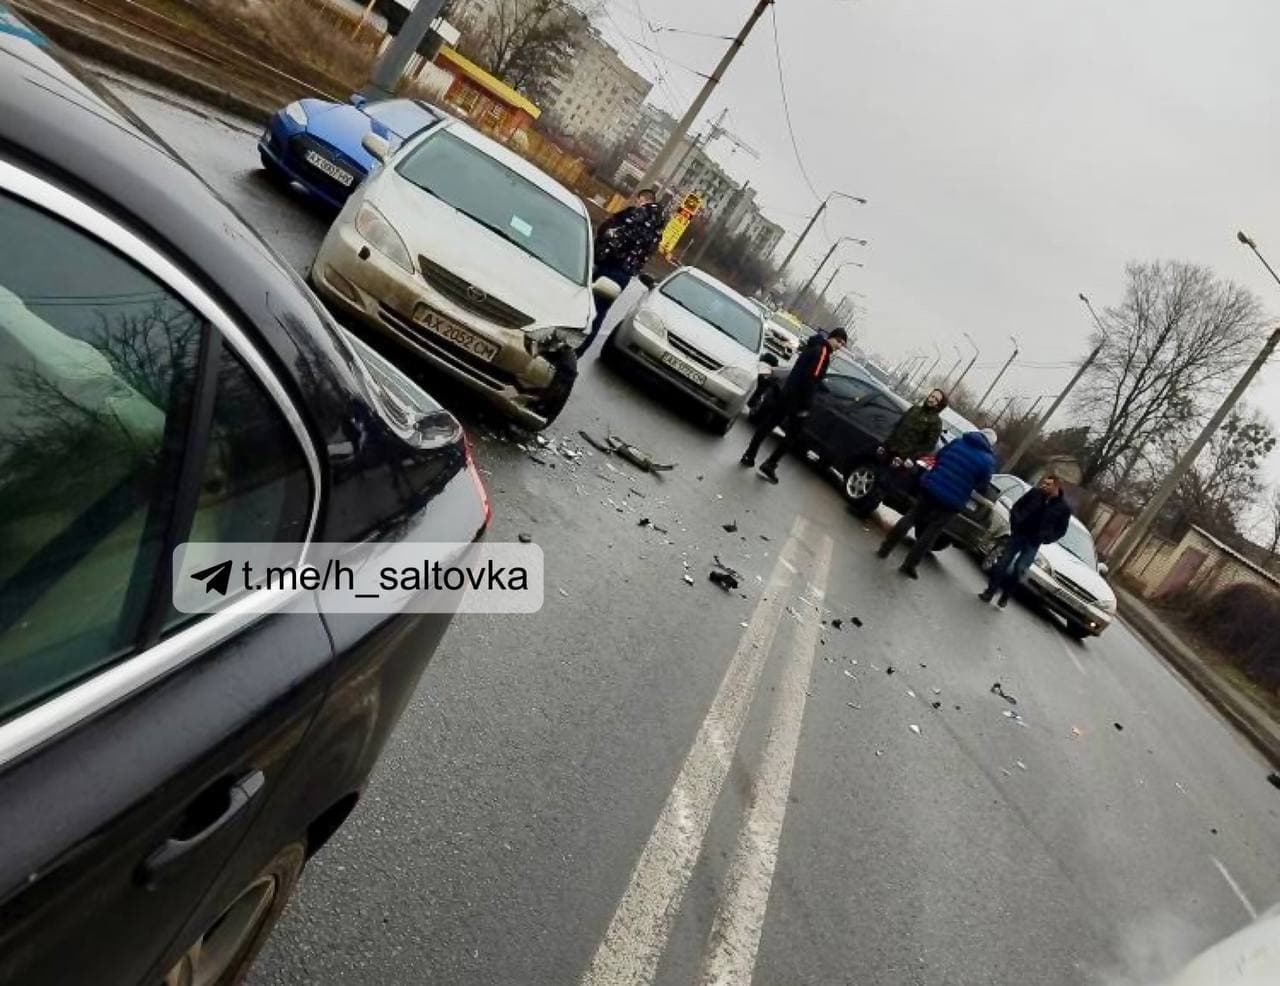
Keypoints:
pixel 700 335
pixel 1066 576
pixel 474 260
pixel 780 337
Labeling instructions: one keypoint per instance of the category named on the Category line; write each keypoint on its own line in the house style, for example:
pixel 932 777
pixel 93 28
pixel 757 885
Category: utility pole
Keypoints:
pixel 1012 356
pixel 968 366
pixel 720 220
pixel 1031 435
pixel 932 366
pixel 803 290
pixel 1135 532
pixel 822 206
pixel 698 141
pixel 954 366
pixel 386 73
pixel 827 287
pixel 699 100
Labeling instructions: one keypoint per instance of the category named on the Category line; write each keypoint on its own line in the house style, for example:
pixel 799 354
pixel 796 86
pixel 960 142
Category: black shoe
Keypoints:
pixel 747 460
pixel 884 551
pixel 1003 601
pixel 910 573
pixel 986 595
pixel 766 471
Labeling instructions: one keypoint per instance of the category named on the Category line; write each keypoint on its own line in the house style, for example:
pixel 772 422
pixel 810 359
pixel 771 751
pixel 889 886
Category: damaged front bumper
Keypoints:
pixel 505 365
pixel 1066 603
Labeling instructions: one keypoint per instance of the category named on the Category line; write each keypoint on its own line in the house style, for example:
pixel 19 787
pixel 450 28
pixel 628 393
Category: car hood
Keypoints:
pixel 432 229
pixel 699 333
pixel 1064 562
pixel 343 126
pixel 1250 957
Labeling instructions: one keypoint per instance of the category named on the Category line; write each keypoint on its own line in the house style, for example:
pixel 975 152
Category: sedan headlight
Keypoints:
pixel 571 336
pixel 1042 563
pixel 646 319
pixel 373 226
pixel 1107 605
pixel 739 376
pixel 296 113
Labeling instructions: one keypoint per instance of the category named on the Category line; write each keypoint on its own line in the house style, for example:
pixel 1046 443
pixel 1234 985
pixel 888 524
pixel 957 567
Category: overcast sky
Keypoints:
pixel 1013 152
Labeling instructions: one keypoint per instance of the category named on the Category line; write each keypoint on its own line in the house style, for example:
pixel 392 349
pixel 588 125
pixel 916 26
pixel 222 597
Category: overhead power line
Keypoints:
pixel 786 109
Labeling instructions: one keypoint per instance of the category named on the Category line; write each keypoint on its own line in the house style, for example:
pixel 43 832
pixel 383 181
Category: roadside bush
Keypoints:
pixel 1242 622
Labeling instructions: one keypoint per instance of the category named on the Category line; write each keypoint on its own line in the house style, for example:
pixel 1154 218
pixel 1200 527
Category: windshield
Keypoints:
pixel 712 305
pixel 506 204
pixel 1078 541
pixel 402 117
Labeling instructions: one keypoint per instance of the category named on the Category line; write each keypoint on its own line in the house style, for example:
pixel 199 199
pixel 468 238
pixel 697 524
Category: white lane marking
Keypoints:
pixel 1071 654
pixel 730 955
pixel 1253 911
pixel 633 944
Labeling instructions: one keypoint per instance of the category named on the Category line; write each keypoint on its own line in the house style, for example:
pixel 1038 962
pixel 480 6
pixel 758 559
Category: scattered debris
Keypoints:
pixel 794 615
pixel 643 522
pixel 541 440
pixel 914 728
pixel 563 593
pixel 855 621
pixel 743 624
pixel 541 461
pixel 874 668
pixel 632 489
pixel 998 689
pixel 957 708
pixel 1006 771
pixel 725 580
pixel 597 445
pixel 890 669
pixel 1013 714
pixel 855 707
pixel 524 538
pixel 937 691
pixel 910 693
pixel 938 705
pixel 1213 831
pixel 688 579
pixel 1119 728
pixel 637 456
pixel 764 537
pixel 1020 765
pixel 850 674
pixel 1274 779
pixel 1076 732
pixel 879 753
pixel 836 623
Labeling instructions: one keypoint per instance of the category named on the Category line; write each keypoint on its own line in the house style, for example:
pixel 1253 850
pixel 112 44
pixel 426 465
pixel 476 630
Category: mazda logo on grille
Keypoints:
pixel 474 294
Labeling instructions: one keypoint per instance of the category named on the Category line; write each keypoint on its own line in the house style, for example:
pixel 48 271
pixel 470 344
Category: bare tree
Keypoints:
pixel 1273 521
pixel 1176 336
pixel 525 43
pixel 1222 488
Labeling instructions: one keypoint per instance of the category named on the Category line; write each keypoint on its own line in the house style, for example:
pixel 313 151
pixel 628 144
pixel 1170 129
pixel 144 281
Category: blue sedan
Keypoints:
pixel 315 144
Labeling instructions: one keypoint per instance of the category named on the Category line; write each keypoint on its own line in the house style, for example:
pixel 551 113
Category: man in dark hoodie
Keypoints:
pixel 792 405
pixel 962 466
pixel 1041 516
pixel 624 243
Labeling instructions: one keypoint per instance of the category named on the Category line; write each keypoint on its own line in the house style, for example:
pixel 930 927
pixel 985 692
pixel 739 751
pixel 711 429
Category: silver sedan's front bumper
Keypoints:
pixel 657 354
pixel 1064 601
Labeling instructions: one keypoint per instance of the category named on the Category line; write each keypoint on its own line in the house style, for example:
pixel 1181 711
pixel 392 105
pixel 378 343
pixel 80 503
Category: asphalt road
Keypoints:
pixel 655 782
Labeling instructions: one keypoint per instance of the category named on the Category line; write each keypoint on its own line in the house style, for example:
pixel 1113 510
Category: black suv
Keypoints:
pixel 164 377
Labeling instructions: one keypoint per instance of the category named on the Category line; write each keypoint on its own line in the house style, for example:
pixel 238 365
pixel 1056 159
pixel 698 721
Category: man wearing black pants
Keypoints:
pixel 792 405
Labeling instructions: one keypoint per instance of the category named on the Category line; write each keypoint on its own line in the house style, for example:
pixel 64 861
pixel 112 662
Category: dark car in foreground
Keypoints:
pixel 315 144
pixel 164 377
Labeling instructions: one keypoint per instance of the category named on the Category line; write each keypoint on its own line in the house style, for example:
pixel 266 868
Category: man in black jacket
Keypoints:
pixel 624 243
pixel 1040 517
pixel 792 405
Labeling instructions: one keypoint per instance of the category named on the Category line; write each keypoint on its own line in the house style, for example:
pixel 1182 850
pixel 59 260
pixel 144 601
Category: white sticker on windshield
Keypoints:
pixel 521 227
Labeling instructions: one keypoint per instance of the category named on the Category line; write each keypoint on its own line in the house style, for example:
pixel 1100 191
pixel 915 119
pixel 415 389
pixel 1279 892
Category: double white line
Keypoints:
pixel 634 942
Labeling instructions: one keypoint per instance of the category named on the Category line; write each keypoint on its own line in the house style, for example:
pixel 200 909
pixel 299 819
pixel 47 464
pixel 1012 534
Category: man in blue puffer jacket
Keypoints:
pixel 961 467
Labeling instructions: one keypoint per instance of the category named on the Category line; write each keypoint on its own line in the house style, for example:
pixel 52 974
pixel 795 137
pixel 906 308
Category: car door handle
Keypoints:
pixel 238 797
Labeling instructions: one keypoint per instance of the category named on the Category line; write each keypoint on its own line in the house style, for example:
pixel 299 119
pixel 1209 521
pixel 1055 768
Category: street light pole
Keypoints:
pixel 388 69
pixel 1031 435
pixel 1012 356
pixel 827 287
pixel 954 366
pixel 968 366
pixel 700 100
pixel 804 288
pixel 822 206
pixel 1135 533
pixel 932 366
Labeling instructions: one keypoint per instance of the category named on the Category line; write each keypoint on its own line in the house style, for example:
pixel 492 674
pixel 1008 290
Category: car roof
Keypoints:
pixel 851 365
pixel 512 160
pixel 716 283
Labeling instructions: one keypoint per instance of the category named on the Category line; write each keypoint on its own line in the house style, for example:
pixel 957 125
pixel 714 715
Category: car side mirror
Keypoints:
pixel 378 148
pixel 357 100
pixel 645 279
pixel 1103 570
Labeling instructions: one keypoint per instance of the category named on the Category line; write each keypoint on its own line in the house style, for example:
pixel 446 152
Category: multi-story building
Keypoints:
pixel 763 234
pixel 597 97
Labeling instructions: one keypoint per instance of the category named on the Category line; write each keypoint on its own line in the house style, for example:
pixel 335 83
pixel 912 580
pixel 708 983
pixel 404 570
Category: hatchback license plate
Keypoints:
pixel 328 167
pixel 684 369
pixel 456 334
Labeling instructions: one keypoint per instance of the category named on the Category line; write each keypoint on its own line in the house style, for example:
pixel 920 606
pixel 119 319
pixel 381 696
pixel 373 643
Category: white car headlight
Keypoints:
pixel 739 376
pixel 296 113
pixel 1042 563
pixel 1107 605
pixel 648 320
pixel 374 227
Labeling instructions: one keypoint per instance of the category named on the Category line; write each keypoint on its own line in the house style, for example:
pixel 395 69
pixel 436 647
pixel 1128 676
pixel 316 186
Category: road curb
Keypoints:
pixel 1178 655
pixel 83 43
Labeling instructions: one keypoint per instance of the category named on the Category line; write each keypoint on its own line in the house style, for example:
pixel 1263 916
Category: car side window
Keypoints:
pixel 847 388
pixel 97 366
pixel 880 416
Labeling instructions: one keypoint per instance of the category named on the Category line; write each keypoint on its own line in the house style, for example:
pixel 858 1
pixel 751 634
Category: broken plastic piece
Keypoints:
pixel 725 580
pixel 643 522
pixel 524 538
pixel 910 693
pixel 837 623
pixel 890 669
pixel 1020 765
pixel 731 527
pixel 1119 728
pixel 855 621
pixel 998 689
pixel 938 705
pixel 1274 779
pixel 688 579
pixel 914 728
